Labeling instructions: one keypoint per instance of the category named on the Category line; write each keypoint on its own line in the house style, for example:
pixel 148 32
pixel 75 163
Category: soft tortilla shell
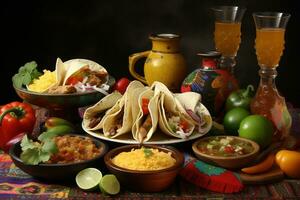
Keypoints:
pixel 167 104
pixel 124 106
pixel 103 105
pixel 74 65
pixel 153 111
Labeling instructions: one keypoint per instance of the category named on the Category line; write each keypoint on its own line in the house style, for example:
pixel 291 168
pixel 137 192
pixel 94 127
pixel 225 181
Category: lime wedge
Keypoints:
pixel 88 179
pixel 109 184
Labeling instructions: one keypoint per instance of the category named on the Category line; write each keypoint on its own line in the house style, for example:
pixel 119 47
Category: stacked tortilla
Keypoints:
pixel 142 109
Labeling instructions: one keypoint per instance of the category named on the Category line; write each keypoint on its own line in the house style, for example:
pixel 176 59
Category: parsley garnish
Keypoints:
pixel 148 152
pixel 26 74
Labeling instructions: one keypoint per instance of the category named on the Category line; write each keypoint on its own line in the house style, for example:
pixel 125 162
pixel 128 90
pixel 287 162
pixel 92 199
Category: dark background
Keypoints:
pixel 109 31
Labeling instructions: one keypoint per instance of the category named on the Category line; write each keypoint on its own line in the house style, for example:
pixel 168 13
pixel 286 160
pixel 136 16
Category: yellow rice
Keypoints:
pixel 137 159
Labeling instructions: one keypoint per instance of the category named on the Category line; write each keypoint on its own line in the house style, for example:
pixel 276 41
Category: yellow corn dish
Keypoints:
pixel 144 159
pixel 43 83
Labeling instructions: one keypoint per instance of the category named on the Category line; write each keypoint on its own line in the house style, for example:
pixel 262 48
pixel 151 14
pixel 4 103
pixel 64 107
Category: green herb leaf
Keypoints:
pixel 148 152
pixel 49 146
pixel 26 74
pixel 44 156
pixel 31 156
pixel 27 143
pixel 35 152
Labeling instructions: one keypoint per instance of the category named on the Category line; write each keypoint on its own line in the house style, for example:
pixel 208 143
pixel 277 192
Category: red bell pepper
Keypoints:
pixel 15 118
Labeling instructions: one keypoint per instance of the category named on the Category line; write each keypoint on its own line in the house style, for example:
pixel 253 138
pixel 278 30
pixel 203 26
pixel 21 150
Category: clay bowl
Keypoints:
pixel 145 181
pixel 229 162
pixel 57 172
pixel 62 101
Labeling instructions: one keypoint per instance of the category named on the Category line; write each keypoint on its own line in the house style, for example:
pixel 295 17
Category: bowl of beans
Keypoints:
pixel 75 153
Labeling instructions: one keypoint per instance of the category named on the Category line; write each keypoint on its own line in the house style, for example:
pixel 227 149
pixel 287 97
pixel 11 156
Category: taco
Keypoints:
pixel 84 74
pixel 120 121
pixel 93 116
pixel 171 120
pixel 191 102
pixel 147 119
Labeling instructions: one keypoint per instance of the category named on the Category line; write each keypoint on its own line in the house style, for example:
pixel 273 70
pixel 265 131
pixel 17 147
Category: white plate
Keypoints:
pixel 157 138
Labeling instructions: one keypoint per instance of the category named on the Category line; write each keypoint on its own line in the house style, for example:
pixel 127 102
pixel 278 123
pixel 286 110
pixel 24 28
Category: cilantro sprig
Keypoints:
pixel 148 152
pixel 35 152
pixel 26 74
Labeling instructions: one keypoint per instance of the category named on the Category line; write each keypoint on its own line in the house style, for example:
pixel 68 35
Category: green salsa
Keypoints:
pixel 225 146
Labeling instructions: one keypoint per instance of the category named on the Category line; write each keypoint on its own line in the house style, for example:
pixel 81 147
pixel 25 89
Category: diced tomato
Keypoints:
pixel 73 80
pixel 184 125
pixel 145 102
pixel 229 149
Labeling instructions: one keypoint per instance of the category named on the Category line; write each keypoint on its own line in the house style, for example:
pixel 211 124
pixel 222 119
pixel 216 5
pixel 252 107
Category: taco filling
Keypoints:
pixel 86 79
pixel 199 116
pixel 146 119
pixel 179 125
pixel 95 120
pixel 117 124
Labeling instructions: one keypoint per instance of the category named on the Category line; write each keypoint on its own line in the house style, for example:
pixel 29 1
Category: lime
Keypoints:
pixel 109 184
pixel 88 179
pixel 233 118
pixel 258 129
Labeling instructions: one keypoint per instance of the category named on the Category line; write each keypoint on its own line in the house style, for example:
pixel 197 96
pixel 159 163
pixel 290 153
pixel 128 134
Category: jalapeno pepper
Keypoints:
pixel 15 118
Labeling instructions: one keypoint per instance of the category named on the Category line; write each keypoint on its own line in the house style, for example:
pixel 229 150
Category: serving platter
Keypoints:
pixel 158 137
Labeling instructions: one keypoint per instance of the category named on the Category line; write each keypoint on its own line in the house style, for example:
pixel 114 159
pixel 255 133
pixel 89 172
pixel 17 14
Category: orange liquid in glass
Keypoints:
pixel 227 38
pixel 269 45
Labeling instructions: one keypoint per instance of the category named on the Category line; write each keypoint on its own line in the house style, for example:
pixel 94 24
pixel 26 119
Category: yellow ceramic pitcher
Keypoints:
pixel 164 62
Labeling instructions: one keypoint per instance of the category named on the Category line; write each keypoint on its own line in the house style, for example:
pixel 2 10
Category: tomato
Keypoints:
pixel 257 128
pixel 229 149
pixel 232 120
pixel 73 80
pixel 289 162
pixel 145 102
pixel 121 85
pixel 184 125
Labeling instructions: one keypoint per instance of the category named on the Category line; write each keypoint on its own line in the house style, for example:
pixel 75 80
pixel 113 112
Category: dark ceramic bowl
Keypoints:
pixel 62 101
pixel 53 172
pixel 229 162
pixel 145 181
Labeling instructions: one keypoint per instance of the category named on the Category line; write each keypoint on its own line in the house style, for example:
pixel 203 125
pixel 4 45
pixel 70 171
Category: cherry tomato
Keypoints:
pixel 121 85
pixel 289 162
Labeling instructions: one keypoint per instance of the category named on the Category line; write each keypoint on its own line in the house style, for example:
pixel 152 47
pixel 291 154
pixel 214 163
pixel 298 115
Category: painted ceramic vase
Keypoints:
pixel 213 83
pixel 164 62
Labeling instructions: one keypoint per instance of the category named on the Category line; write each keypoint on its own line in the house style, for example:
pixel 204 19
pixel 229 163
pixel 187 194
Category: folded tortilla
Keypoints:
pixel 191 102
pixel 120 121
pixel 74 65
pixel 146 124
pixel 93 116
pixel 172 120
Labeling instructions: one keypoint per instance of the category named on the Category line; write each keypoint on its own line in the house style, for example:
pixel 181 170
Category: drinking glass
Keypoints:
pixel 227 35
pixel 269 45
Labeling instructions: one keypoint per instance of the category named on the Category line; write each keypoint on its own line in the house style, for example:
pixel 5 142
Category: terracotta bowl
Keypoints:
pixel 145 181
pixel 232 162
pixel 55 172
